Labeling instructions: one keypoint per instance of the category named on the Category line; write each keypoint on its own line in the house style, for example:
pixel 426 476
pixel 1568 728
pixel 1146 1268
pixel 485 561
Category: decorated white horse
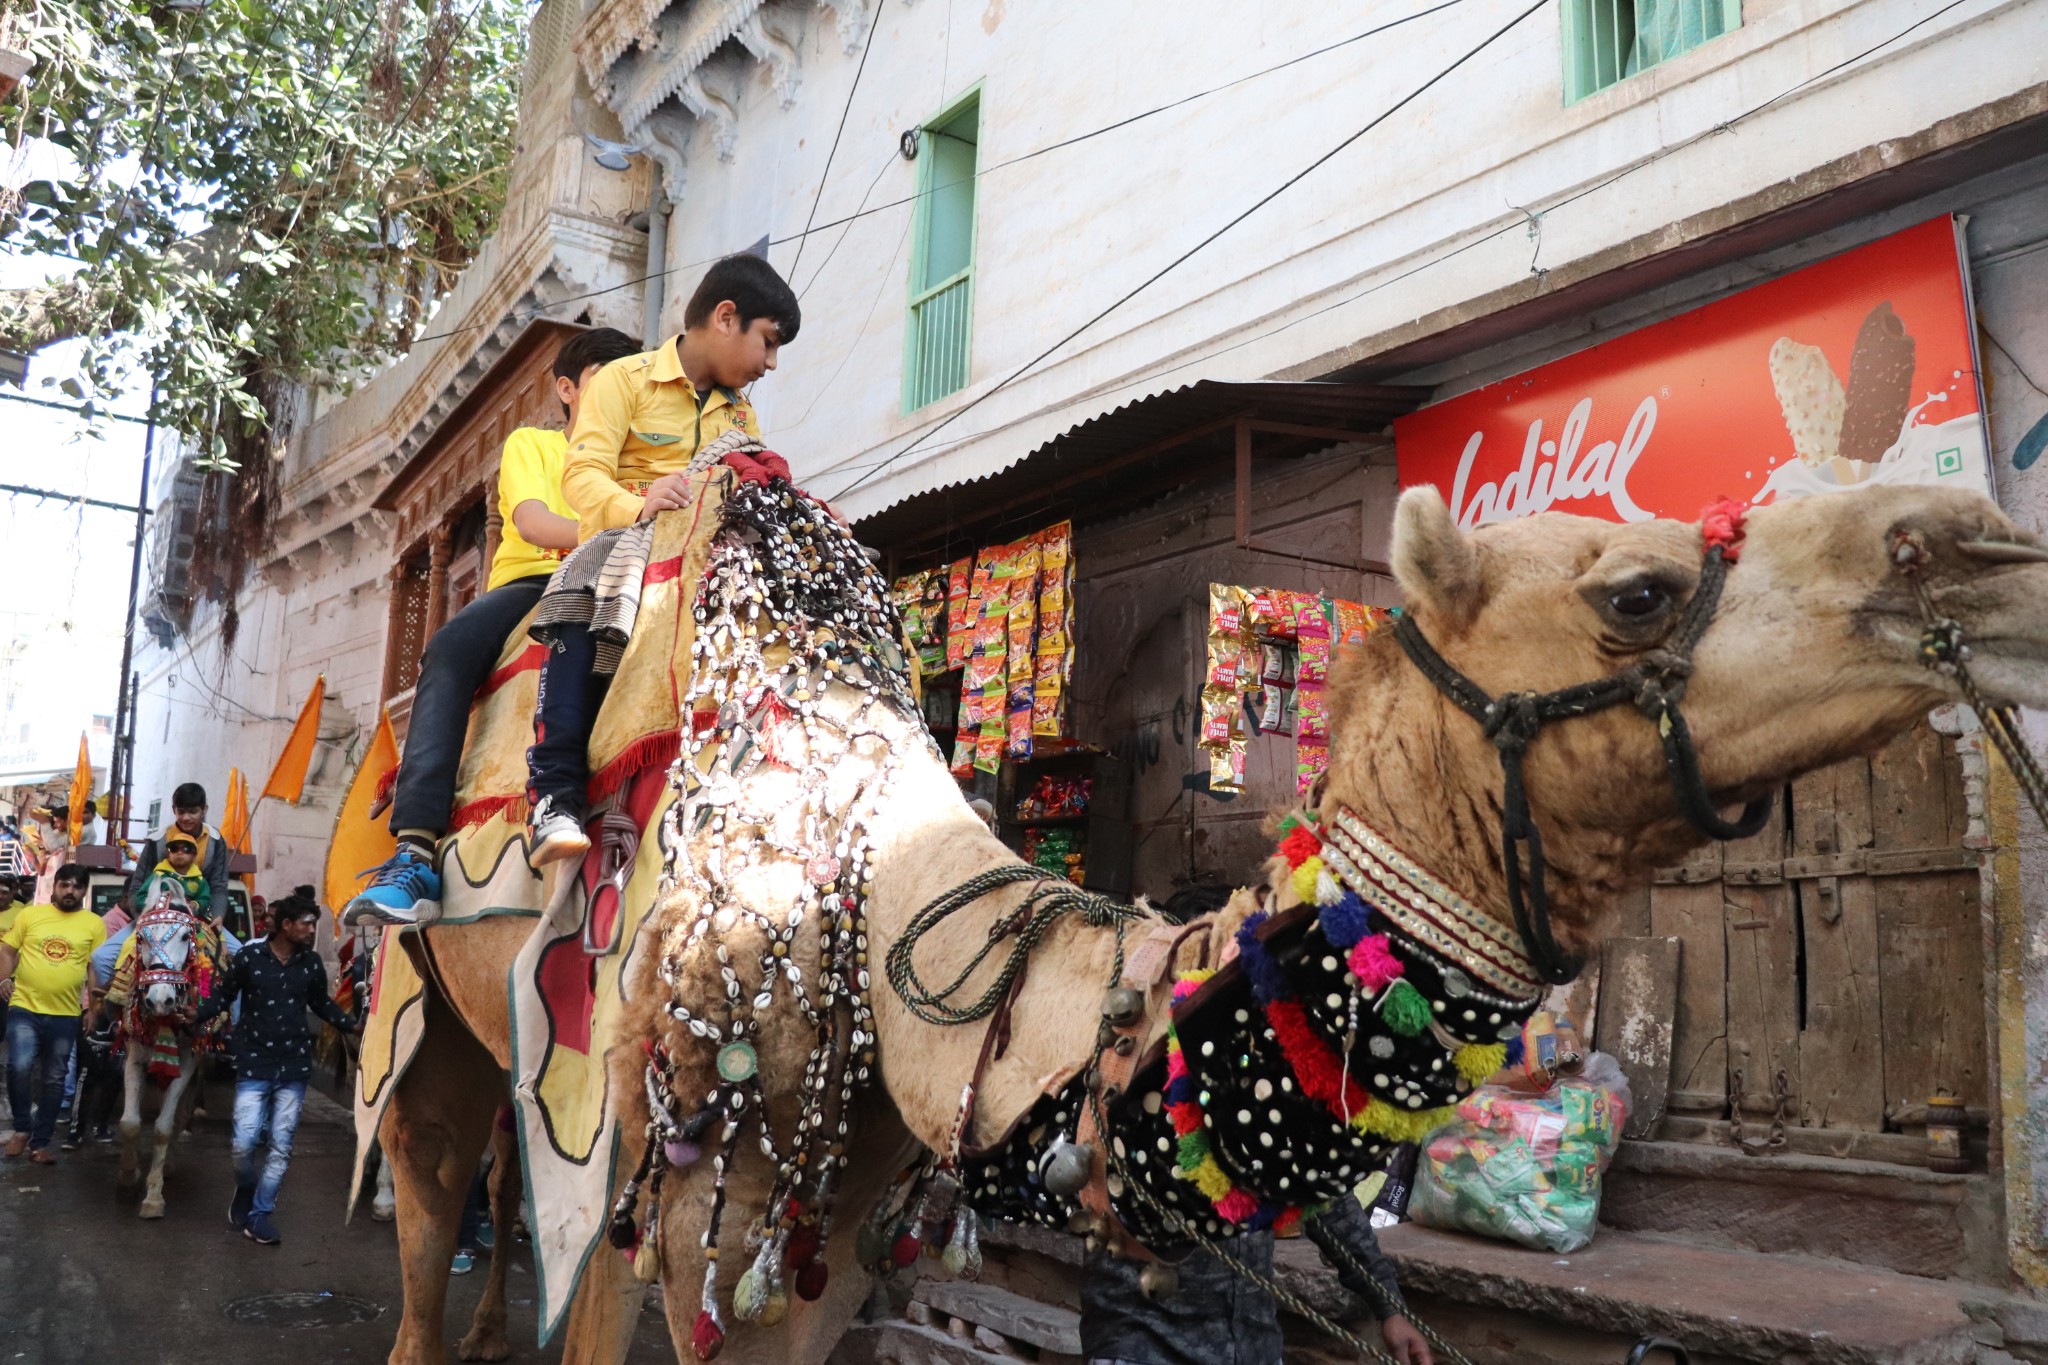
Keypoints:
pixel 167 968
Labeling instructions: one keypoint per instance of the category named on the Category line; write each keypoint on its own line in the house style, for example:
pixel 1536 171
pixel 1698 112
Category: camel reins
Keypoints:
pixel 1655 684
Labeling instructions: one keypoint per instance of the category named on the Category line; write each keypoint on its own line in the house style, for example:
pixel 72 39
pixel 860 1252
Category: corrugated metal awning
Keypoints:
pixel 1130 455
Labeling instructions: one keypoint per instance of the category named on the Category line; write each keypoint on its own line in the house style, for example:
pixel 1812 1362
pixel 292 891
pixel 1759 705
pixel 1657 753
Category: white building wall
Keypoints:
pixel 200 713
pixel 1488 164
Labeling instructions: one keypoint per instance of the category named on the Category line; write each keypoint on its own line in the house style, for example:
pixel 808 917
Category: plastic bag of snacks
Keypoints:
pixel 1525 1168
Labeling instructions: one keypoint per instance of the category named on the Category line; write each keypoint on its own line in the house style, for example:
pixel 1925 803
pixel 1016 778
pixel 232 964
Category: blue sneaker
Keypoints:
pixel 256 1227
pixel 464 1262
pixel 405 890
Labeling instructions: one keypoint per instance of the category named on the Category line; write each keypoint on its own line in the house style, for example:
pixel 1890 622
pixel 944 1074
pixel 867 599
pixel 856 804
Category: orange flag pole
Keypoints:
pixel 288 779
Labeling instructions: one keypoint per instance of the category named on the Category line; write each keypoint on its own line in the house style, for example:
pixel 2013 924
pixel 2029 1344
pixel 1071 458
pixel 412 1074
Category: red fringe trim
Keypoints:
pixel 474 813
pixel 384 785
pixel 655 750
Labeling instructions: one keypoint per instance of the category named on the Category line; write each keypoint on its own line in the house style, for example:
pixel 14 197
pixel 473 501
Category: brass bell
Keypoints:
pixel 1123 1006
pixel 1068 1167
pixel 1159 1281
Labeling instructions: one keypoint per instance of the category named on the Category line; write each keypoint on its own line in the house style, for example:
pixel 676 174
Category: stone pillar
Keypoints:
pixel 437 580
pixel 394 623
pixel 494 532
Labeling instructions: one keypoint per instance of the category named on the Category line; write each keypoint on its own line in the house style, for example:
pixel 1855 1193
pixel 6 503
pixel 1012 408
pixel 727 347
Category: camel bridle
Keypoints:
pixel 1654 684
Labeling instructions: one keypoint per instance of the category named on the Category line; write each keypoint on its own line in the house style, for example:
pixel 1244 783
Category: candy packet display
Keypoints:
pixel 959 603
pixel 1223 687
pixel 1054 667
pixel 1525 1168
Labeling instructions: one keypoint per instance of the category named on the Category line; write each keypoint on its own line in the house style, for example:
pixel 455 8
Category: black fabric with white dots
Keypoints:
pixel 1275 1142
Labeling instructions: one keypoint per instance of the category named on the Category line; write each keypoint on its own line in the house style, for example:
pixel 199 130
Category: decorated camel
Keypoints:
pixel 842 970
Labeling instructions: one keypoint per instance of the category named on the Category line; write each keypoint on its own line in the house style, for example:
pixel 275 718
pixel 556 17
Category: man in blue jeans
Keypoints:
pixel 43 958
pixel 277 981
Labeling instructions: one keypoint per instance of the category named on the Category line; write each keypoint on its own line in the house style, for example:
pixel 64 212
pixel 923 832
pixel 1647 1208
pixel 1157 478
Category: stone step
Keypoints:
pixel 1904 1218
pixel 1502 1303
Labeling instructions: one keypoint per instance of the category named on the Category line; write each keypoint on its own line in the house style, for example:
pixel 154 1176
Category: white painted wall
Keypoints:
pixel 1359 246
pixel 199 713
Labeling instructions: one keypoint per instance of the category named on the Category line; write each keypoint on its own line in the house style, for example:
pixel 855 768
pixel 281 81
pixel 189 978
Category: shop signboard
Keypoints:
pixel 1858 370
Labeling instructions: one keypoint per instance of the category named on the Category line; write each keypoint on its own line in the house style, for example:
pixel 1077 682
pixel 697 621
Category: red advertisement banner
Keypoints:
pixel 1857 370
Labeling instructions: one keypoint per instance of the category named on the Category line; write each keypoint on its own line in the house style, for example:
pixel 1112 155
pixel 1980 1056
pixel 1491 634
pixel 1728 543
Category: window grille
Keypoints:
pixel 1606 41
pixel 942 256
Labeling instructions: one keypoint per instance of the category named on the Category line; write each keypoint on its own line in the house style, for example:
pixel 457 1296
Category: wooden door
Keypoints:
pixel 1835 958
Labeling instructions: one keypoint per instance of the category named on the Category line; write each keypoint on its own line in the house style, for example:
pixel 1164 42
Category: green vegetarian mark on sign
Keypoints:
pixel 1948 462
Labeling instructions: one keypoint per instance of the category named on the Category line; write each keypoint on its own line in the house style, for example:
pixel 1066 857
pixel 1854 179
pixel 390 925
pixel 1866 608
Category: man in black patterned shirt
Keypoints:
pixel 277 981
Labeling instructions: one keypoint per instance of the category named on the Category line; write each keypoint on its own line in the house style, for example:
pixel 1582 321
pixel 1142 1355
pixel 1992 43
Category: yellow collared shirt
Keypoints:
pixel 640 418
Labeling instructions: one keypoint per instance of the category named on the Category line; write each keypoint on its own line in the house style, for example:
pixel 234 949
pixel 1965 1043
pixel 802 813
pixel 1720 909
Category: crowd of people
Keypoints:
pixel 641 427
pixel 67 975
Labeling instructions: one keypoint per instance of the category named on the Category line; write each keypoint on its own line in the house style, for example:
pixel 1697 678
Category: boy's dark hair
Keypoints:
pixel 73 873
pixel 754 288
pixel 188 796
pixel 175 844
pixel 598 346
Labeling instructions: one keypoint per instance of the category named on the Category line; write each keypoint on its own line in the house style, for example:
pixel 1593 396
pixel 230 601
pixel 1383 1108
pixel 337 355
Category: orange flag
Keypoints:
pixel 234 820
pixel 288 779
pixel 81 789
pixel 361 842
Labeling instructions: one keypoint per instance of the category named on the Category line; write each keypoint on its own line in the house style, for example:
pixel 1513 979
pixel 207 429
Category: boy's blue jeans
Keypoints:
pixel 38 1048
pixel 260 1105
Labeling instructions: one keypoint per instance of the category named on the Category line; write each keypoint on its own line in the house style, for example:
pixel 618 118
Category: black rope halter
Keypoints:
pixel 1655 684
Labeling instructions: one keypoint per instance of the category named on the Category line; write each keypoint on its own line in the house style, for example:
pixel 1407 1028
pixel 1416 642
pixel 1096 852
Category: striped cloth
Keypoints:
pixel 598 586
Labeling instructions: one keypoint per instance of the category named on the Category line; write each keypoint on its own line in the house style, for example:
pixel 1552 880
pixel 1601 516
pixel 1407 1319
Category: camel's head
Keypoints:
pixel 1813 655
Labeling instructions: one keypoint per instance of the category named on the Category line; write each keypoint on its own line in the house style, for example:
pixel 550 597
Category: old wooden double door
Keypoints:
pixel 1833 965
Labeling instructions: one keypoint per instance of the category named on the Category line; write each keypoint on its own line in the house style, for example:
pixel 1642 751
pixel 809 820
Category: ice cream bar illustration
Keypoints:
pixel 1880 386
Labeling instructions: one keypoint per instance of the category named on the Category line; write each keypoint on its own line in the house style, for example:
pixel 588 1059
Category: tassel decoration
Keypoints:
pixel 1404 1009
pixel 1374 964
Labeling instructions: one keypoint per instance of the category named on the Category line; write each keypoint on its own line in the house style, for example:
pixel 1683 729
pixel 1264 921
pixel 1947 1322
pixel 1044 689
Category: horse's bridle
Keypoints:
pixel 1655 683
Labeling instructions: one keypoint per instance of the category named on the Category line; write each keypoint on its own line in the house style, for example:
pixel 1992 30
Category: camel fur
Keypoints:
pixel 1811 659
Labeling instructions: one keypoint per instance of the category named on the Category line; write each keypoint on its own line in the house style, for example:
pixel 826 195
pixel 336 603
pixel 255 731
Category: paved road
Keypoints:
pixel 83 1281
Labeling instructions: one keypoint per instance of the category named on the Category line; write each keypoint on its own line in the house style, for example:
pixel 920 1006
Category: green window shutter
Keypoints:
pixel 1605 41
pixel 942 255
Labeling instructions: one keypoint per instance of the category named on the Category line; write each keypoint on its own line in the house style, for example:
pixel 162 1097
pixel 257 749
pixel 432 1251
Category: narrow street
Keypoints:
pixel 88 1282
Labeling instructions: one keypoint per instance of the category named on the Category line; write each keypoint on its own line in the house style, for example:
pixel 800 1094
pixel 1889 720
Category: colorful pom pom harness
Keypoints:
pixel 1352 1022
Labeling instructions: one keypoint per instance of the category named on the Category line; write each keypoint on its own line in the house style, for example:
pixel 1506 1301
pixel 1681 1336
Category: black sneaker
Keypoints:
pixel 71 1142
pixel 256 1227
pixel 238 1209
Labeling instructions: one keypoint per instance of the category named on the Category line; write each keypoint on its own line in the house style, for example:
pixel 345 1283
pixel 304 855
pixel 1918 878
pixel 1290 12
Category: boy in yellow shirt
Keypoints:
pixel 43 962
pixel 538 529
pixel 642 423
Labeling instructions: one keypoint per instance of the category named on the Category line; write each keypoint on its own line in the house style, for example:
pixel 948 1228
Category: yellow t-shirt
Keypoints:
pixel 8 916
pixel 640 418
pixel 56 949
pixel 530 470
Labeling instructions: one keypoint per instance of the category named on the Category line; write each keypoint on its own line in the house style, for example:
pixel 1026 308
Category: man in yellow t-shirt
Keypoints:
pixel 630 448
pixel 538 529
pixel 43 961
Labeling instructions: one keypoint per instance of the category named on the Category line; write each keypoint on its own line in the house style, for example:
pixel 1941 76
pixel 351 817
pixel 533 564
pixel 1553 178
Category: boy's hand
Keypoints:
pixel 665 494
pixel 1404 1343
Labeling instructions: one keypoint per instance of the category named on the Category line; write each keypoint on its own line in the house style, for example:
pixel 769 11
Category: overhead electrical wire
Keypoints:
pixel 874 26
pixel 1177 261
pixel 1517 224
pixel 1036 152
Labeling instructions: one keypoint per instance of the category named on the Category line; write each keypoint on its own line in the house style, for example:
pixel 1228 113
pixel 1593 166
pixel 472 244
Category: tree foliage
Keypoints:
pixel 270 193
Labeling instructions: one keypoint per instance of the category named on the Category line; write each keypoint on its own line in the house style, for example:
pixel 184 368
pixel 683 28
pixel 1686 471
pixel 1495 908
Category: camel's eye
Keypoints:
pixel 1639 600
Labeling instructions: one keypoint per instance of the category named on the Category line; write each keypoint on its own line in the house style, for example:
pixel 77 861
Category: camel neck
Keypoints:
pixel 1412 766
